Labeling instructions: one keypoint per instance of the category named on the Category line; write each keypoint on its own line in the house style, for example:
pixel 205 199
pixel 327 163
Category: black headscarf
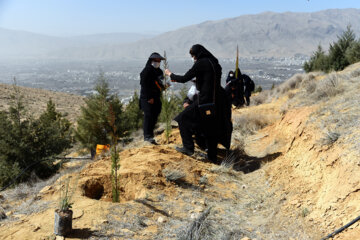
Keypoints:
pixel 153 56
pixel 230 73
pixel 199 52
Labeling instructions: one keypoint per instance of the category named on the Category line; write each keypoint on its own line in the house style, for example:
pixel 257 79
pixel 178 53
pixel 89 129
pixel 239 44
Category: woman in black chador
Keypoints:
pixel 151 87
pixel 207 71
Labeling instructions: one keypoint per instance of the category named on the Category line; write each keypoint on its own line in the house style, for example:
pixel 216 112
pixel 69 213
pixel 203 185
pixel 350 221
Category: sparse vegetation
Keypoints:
pixel 174 175
pixel 115 159
pixel 247 124
pixel 305 212
pixel 65 196
pixel 329 138
pixel 199 229
pixel 328 87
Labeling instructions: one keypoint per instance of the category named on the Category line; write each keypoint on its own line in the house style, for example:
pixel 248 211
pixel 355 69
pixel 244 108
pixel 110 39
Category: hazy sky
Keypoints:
pixel 78 17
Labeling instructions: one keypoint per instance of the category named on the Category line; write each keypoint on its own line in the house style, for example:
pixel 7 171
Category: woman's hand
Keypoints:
pixel 167 72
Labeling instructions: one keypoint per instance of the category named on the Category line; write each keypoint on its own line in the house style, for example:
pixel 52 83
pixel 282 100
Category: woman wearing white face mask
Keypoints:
pixel 151 87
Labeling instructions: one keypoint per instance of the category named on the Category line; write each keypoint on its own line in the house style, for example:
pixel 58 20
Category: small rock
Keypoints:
pixel 2 214
pixel 78 213
pixel 148 222
pixel 45 189
pixel 202 202
pixel 103 221
pixel 60 238
pixel 161 219
pixel 125 230
pixel 36 228
pixel 246 238
pixel 1 197
pixel 198 209
pixel 170 213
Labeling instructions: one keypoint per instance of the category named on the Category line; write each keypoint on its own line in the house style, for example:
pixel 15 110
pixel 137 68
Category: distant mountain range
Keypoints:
pixel 267 34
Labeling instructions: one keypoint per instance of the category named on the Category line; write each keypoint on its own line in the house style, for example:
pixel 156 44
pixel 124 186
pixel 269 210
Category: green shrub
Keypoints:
pixel 171 106
pixel 341 54
pixel 133 114
pixel 28 144
pixel 94 123
pixel 352 54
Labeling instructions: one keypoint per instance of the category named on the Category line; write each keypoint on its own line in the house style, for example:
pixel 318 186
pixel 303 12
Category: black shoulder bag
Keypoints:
pixel 207 110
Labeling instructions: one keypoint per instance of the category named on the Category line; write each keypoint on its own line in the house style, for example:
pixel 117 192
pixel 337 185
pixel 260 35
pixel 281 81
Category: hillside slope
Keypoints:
pixel 297 177
pixel 35 101
pixel 318 136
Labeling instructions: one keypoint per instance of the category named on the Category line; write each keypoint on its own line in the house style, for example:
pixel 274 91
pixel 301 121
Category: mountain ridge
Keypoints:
pixel 266 34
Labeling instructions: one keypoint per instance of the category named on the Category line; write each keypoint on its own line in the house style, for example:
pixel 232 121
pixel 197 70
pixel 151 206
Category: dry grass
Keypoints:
pixel 174 175
pixel 328 87
pixel 249 123
pixel 329 138
pixel 24 198
pixel 260 98
pixel 355 73
pixel 291 83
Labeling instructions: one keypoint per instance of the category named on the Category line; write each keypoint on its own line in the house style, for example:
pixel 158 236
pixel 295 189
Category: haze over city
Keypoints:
pixel 72 18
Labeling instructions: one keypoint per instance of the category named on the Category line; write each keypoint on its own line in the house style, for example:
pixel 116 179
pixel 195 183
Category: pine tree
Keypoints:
pixel 353 52
pixel 133 113
pixel 93 124
pixel 29 144
pixel 166 105
pixel 337 50
pixel 341 53
pixel 114 156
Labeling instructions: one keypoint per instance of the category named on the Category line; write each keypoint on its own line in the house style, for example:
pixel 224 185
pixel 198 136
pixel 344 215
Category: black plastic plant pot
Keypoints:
pixel 63 222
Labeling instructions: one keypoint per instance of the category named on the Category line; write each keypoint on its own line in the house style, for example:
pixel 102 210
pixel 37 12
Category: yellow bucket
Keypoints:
pixel 101 148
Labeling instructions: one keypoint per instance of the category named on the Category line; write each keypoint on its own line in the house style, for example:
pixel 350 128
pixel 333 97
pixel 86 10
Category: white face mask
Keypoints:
pixel 155 64
pixel 193 60
pixel 231 75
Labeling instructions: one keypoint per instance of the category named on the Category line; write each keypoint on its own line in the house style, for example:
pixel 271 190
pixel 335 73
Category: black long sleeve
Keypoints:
pixel 187 77
pixel 148 78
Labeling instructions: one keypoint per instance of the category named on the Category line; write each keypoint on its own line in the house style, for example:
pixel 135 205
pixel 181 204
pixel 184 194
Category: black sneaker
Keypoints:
pixel 150 140
pixel 184 150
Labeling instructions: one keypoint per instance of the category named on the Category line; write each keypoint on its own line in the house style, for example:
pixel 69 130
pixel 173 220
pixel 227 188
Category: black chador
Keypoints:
pixel 207 72
pixel 150 94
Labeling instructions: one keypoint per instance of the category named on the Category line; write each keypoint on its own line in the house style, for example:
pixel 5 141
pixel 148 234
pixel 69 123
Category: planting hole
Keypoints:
pixel 93 189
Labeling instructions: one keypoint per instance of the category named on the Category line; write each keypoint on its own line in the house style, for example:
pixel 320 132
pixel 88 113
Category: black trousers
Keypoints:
pixel 190 123
pixel 151 114
pixel 247 97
